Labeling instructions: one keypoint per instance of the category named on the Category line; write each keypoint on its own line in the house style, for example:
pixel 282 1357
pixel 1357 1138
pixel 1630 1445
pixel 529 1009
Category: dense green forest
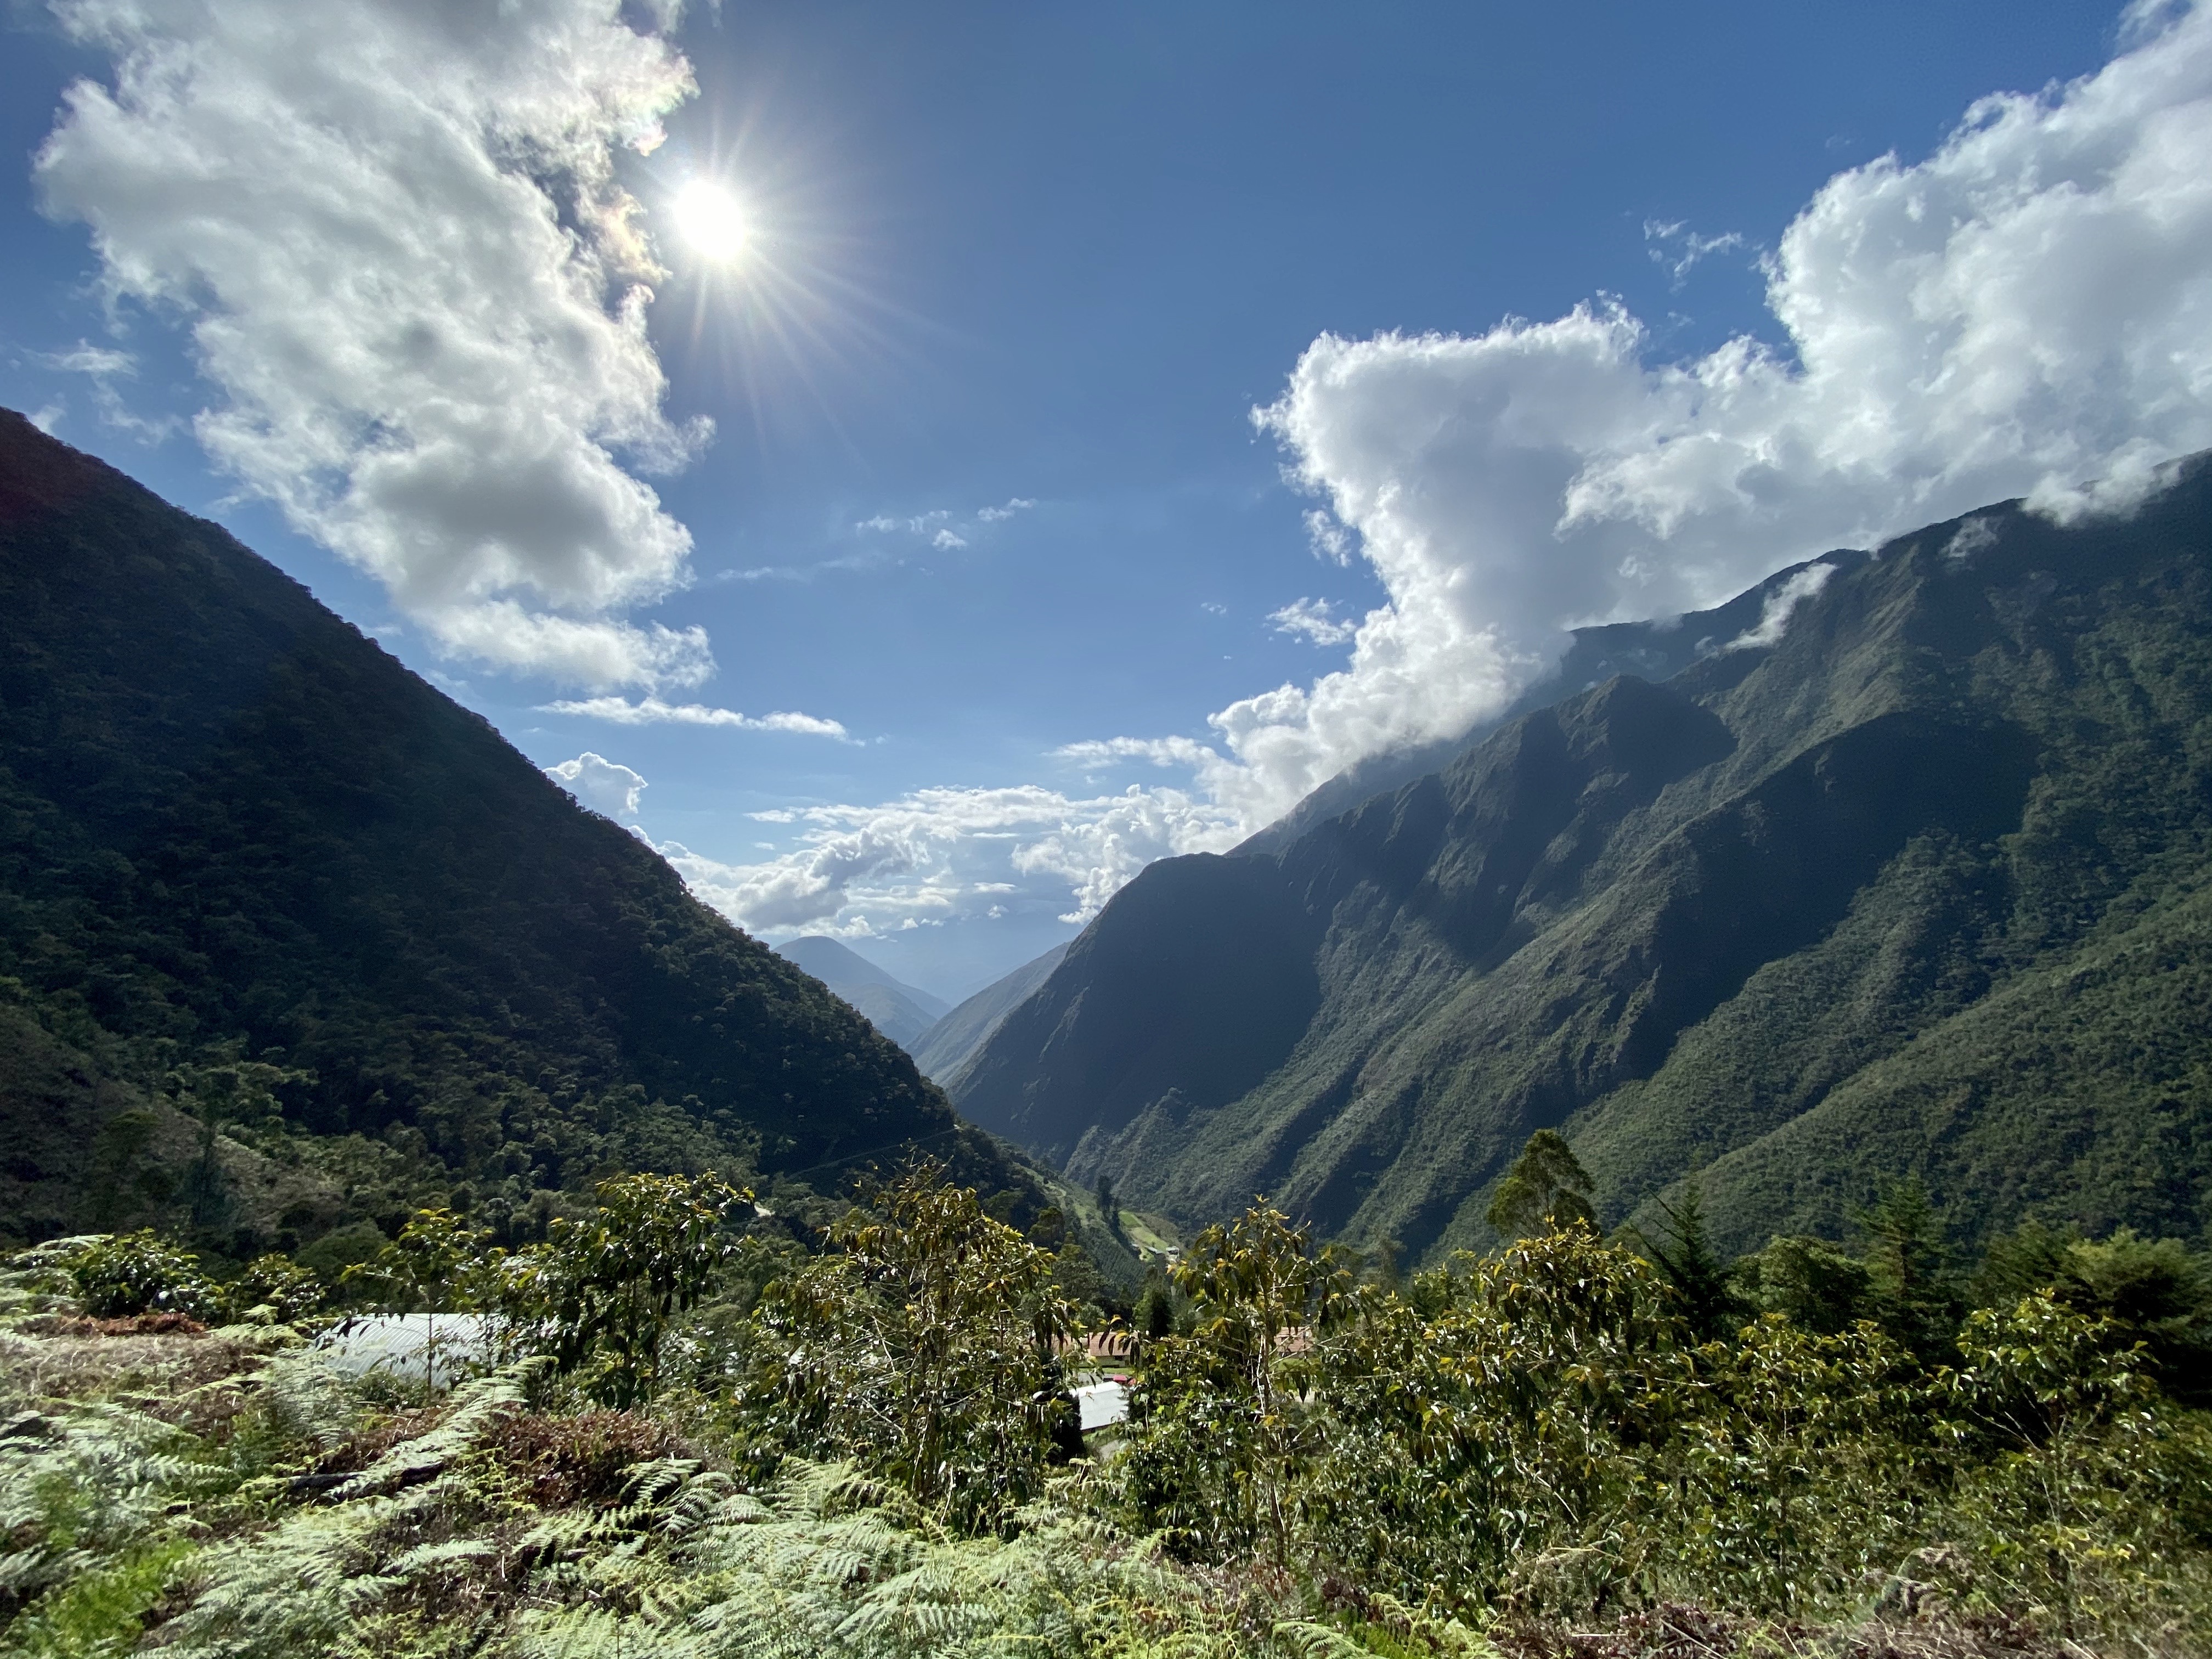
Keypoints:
pixel 694 1438
pixel 290 942
pixel 1918 888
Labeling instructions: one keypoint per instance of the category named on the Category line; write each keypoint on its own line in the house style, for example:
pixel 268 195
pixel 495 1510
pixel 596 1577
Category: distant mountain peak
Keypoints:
pixel 901 1011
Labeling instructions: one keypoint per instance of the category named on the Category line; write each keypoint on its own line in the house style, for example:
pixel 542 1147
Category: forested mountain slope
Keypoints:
pixel 1921 888
pixel 233 827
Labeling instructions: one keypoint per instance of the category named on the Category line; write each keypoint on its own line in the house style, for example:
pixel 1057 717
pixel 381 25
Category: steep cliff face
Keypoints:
pixel 229 824
pixel 1917 887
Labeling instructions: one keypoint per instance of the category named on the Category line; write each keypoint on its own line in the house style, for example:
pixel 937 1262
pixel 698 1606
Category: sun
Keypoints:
pixel 711 219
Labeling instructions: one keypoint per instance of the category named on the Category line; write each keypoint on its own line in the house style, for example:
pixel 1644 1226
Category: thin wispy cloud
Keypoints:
pixel 1776 610
pixel 1678 248
pixel 652 711
pixel 102 362
pixel 103 366
pixel 1310 620
pixel 941 526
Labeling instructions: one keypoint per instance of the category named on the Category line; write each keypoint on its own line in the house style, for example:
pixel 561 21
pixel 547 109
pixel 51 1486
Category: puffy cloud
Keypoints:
pixel 394 232
pixel 652 711
pixel 938 854
pixel 1309 619
pixel 2027 309
pixel 601 784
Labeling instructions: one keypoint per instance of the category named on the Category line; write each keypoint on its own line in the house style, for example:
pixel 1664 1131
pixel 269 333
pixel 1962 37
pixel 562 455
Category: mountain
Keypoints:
pixel 1654 650
pixel 899 1011
pixel 233 830
pixel 1922 887
pixel 946 1046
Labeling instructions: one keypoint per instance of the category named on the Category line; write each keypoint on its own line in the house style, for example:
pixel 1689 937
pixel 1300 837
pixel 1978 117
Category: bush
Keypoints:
pixel 288 1291
pixel 924 1344
pixel 127 1273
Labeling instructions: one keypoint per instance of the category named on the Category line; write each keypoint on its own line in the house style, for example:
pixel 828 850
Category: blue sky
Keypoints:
pixel 984 486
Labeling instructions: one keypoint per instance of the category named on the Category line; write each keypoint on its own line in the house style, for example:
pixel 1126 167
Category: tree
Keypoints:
pixel 1809 1282
pixel 925 1343
pixel 226 1090
pixel 1218 1399
pixel 437 1264
pixel 2155 1291
pixel 1154 1313
pixel 598 1296
pixel 1545 1191
pixel 1906 1260
pixel 1110 1208
pixel 1700 1279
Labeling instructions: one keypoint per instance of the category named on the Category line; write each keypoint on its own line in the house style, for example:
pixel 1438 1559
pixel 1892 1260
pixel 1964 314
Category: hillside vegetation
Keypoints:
pixel 693 1440
pixel 1919 888
pixel 290 942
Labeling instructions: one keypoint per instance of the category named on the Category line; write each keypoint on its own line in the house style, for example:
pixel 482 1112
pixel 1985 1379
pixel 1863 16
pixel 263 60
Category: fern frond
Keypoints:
pixel 1310 1641
pixel 476 1406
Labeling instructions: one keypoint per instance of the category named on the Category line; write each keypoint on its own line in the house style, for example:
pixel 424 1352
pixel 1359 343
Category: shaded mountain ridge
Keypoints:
pixel 945 1046
pixel 1765 917
pixel 231 826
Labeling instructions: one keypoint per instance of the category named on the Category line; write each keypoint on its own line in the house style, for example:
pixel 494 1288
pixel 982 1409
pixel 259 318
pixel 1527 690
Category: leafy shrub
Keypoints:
pixel 126 1273
pixel 598 1296
pixel 288 1291
pixel 923 1343
pixel 1532 1455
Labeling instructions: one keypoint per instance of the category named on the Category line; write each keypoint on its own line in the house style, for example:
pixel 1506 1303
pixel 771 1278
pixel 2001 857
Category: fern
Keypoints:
pixel 96 1485
pixel 303 1586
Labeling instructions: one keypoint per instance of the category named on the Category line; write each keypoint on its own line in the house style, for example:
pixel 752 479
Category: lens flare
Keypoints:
pixel 711 219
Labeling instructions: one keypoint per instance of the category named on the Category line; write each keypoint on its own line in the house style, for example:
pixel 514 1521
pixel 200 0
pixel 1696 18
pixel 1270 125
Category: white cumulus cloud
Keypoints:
pixel 393 231
pixel 2027 310
pixel 937 854
pixel 601 784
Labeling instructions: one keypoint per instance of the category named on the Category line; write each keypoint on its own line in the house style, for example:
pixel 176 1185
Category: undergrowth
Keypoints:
pixel 1533 1457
